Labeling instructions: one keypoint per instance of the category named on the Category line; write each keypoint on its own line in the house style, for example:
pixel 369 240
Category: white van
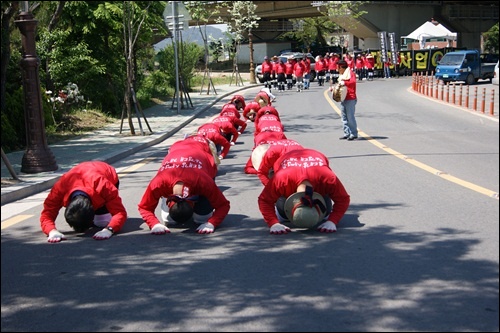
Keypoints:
pixel 495 75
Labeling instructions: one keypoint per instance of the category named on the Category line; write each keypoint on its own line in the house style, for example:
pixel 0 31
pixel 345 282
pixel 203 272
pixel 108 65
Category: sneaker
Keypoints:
pixel 343 137
pixel 352 137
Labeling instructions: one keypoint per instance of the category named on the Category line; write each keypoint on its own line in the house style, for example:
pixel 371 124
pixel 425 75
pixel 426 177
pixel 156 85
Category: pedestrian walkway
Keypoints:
pixel 108 144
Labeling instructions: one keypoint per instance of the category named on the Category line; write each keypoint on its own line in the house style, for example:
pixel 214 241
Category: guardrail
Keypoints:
pixel 469 97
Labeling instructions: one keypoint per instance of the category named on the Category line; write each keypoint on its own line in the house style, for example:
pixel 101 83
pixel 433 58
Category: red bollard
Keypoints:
pixel 492 103
pixel 483 100
pixel 447 92
pixel 436 91
pixel 431 88
pixel 460 96
pixel 475 99
pixel 467 97
pixel 453 94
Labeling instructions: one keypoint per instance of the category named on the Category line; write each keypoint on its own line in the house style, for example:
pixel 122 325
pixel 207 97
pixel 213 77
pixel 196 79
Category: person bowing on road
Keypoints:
pixel 185 184
pixel 89 191
pixel 304 192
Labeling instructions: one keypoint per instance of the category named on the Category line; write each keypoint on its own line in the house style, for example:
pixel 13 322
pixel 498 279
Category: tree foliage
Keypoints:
pixel 189 55
pixel 80 42
pixel 491 40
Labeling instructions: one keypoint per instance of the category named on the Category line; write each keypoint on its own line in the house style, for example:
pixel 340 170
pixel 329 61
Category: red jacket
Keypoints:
pixel 299 69
pixel 196 182
pixel 267 67
pixel 295 167
pixel 351 86
pixel 228 125
pixel 212 132
pixel 191 153
pixel 268 122
pixel 251 107
pixel 98 180
pixel 230 109
pixel 275 151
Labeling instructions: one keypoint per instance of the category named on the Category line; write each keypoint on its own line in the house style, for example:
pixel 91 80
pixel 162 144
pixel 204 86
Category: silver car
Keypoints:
pixel 284 57
pixel 495 75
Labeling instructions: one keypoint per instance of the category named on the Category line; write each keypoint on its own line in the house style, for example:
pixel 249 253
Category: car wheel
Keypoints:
pixel 470 79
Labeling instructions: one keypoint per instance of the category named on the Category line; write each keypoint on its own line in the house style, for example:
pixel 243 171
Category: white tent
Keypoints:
pixel 431 30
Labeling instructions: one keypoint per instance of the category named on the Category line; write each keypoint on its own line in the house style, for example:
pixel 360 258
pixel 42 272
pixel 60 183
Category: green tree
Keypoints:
pixel 201 14
pixel 243 20
pixel 491 40
pixel 190 54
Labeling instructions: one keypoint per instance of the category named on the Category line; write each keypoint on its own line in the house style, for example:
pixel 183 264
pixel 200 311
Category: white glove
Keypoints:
pixel 55 236
pixel 221 157
pixel 342 83
pixel 232 143
pixel 103 234
pixel 205 228
pixel 239 133
pixel 160 229
pixel 328 226
pixel 279 228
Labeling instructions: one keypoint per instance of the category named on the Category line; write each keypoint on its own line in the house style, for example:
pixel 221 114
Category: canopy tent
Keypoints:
pixel 432 30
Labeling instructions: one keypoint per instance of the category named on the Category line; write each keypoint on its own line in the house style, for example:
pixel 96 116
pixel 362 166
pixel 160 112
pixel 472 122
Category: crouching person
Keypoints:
pixel 303 192
pixel 89 192
pixel 187 190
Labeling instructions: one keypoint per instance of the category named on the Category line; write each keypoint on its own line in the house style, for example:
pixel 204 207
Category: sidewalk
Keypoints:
pixel 108 144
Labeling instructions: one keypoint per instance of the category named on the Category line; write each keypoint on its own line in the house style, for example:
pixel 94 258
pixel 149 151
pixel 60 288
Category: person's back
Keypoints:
pixel 190 155
pixel 292 169
pixel 197 187
pixel 231 110
pixel 96 180
pixel 212 132
pixel 272 155
pixel 228 128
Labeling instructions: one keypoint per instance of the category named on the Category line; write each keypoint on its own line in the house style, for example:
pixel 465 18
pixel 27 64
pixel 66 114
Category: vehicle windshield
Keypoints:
pixel 452 59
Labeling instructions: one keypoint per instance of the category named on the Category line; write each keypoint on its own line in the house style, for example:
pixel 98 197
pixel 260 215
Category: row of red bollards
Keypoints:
pixel 452 93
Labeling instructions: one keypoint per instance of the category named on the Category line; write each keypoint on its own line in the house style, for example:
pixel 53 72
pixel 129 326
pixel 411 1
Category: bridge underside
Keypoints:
pixel 468 20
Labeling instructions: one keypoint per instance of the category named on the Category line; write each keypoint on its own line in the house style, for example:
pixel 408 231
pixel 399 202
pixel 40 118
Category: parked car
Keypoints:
pixel 495 75
pixel 284 57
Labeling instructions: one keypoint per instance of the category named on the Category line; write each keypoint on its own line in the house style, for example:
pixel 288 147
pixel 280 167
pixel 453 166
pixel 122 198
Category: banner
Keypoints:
pixel 424 60
pixel 383 45
pixel 392 44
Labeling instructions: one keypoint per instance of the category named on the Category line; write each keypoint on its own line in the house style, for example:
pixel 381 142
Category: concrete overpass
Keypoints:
pixel 468 19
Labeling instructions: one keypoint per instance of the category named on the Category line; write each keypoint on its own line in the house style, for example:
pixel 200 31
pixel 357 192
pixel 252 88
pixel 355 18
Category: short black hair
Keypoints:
pixel 342 64
pixel 80 213
pixel 181 211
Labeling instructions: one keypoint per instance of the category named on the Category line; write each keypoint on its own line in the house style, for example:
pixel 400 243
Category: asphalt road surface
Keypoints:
pixel 418 249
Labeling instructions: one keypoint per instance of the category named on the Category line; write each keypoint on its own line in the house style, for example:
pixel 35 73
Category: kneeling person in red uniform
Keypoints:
pixel 305 192
pixel 89 191
pixel 185 184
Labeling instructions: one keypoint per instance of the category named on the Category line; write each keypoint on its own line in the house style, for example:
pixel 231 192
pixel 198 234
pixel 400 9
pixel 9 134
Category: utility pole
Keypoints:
pixel 38 157
pixel 250 45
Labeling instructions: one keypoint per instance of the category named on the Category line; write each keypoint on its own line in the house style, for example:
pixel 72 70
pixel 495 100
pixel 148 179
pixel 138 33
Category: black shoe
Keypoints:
pixel 343 138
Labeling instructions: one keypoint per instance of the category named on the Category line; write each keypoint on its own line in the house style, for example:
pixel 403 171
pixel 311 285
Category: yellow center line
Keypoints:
pixel 436 172
pixel 136 166
pixel 14 220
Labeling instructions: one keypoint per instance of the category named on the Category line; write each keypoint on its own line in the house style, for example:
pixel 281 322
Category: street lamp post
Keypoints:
pixel 250 45
pixel 38 157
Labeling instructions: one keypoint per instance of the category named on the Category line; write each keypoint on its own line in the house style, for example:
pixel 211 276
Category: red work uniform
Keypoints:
pixel 98 180
pixel 212 132
pixel 181 168
pixel 295 167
